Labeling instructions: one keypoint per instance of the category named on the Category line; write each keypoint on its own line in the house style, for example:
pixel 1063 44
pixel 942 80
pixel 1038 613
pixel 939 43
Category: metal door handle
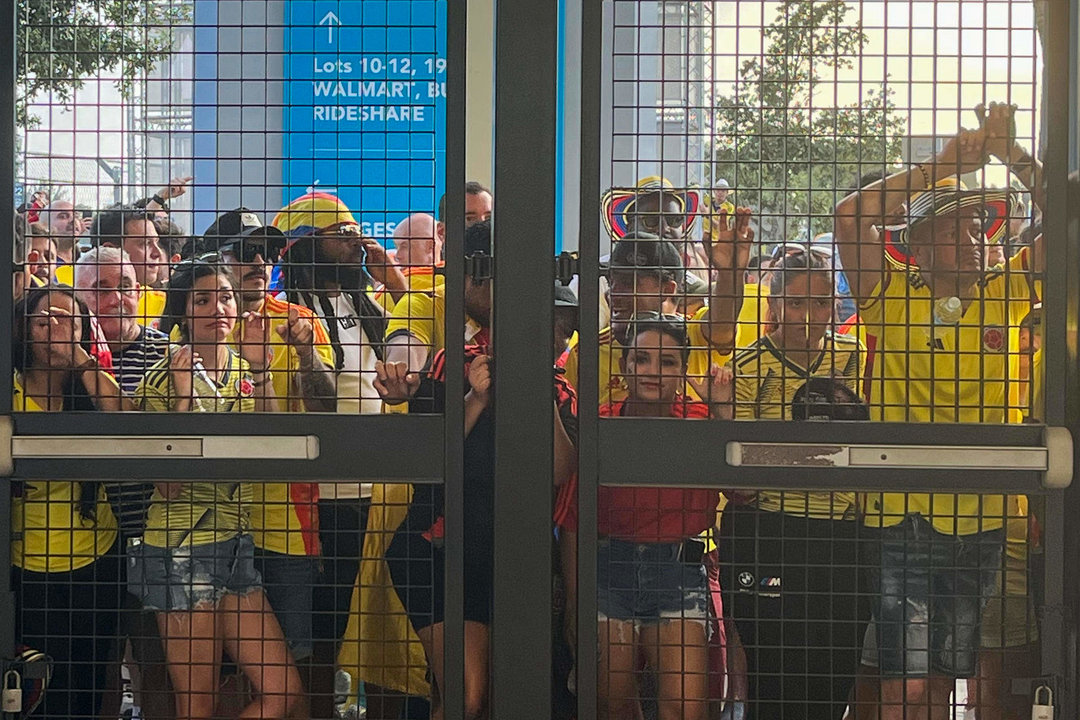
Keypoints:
pixel 221 447
pixel 1054 459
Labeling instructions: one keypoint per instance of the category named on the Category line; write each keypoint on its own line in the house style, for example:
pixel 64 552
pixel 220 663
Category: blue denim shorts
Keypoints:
pixel 192 576
pixel 647 583
pixel 930 592
pixel 288 581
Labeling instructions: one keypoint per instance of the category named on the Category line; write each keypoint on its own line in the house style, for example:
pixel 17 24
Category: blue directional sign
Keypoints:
pixel 365 105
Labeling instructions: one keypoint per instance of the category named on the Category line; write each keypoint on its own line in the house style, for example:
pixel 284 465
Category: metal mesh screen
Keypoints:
pixel 813 214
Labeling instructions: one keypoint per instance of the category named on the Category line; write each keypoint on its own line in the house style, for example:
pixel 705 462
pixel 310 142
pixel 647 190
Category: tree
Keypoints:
pixel 62 42
pixel 788 156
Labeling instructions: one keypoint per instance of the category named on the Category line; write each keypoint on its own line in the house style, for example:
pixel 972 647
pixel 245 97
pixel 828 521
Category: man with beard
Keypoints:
pixel 328 268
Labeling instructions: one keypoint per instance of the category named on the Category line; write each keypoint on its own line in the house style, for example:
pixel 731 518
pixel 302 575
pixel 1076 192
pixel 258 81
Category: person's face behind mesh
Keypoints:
pixel 653 368
pixel 951 245
pixel 478 301
pixel 659 214
pixel 478 207
pixel 805 310
pixel 54 329
pixel 114 300
pixel 143 246
pixel 633 292
pixel 211 310
pixel 342 246
pixel 253 277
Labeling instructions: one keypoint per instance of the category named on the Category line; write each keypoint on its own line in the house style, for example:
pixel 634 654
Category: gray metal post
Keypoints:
pixel 524 244
pixel 8 25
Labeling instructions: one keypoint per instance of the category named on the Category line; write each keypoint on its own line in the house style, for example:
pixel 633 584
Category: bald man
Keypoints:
pixel 417 241
pixel 419 251
pixel 65 224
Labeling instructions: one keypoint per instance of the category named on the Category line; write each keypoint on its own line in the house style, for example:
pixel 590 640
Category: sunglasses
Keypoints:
pixel 342 229
pixel 786 249
pixel 652 221
pixel 247 249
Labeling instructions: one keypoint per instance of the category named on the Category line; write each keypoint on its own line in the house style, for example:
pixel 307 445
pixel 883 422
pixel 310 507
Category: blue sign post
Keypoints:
pixel 365 106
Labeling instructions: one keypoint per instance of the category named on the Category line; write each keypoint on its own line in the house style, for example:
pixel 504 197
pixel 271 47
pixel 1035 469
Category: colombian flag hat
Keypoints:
pixel 617 205
pixel 312 213
pixel 948 196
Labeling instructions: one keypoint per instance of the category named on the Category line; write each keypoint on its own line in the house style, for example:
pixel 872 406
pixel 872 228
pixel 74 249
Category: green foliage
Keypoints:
pixel 788 152
pixel 63 42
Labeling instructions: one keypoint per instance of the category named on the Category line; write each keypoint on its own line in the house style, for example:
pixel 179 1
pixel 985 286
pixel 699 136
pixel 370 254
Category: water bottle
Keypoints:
pixel 947 313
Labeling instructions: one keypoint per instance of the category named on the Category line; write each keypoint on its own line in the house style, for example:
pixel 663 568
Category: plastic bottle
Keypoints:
pixel 948 311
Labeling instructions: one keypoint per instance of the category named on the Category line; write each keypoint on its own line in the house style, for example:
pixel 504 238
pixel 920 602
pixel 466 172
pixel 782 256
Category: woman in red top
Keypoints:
pixel 651 586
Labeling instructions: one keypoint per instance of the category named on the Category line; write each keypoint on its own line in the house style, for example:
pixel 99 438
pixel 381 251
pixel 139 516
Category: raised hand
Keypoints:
pixel 962 154
pixel 729 237
pixel 480 379
pixel 255 340
pixel 394 383
pixel 175 188
pixel 181 370
pixel 717 390
pixel 999 128
pixel 299 334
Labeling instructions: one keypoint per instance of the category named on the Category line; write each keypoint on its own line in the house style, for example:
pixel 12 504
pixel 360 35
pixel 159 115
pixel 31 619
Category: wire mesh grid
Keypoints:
pixel 236 210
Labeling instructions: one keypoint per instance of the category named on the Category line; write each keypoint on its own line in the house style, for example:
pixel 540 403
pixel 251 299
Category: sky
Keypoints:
pixel 939 58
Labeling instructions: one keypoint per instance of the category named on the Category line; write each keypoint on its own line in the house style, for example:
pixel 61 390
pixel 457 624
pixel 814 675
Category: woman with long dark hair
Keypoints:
pixel 67 570
pixel 196 565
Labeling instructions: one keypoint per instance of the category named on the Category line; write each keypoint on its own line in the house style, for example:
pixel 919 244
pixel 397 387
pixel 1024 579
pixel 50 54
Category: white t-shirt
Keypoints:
pixel 355 381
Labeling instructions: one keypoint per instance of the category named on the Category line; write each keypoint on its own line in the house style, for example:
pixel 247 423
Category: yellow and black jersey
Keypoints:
pixel 49 534
pixel 203 512
pixel 766 382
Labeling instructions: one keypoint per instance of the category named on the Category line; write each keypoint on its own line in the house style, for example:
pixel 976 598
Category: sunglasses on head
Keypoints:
pixel 786 249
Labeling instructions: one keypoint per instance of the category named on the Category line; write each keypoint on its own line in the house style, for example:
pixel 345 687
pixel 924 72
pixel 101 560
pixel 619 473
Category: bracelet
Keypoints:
pixel 925 176
pixel 161 201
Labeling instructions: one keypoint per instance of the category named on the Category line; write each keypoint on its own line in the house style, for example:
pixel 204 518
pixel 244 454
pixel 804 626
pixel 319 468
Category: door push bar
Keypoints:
pixel 133 447
pixel 1054 459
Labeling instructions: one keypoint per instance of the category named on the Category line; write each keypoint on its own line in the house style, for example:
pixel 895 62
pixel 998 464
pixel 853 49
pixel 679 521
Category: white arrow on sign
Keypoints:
pixel 330 20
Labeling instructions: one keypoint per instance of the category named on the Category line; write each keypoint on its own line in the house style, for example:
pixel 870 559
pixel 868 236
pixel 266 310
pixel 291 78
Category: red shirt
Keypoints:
pixel 653 514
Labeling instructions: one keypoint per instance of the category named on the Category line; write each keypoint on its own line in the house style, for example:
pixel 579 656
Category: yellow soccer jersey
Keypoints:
pixel 423 316
pixel 765 385
pixel 917 373
pixel 420 279
pixel 282 513
pixel 204 512
pixel 49 534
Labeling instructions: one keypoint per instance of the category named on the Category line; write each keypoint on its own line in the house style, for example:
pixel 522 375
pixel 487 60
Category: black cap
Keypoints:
pixel 826 398
pixel 649 252
pixel 239 223
pixel 478 238
pixel 564 296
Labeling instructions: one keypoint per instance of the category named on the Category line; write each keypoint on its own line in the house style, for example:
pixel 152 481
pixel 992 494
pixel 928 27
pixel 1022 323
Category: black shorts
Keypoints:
pixel 418 569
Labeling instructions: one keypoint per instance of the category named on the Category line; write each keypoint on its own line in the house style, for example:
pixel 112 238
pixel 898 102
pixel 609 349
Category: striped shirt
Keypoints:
pixel 135 359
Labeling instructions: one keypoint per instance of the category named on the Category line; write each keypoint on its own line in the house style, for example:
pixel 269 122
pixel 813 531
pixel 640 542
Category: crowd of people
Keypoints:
pixel 253 599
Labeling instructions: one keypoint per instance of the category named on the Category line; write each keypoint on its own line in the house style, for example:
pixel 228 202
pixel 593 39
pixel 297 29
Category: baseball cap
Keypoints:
pixel 241 230
pixel 647 251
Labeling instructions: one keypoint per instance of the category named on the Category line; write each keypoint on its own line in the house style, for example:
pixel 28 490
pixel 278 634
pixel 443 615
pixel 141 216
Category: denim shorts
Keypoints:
pixel 288 582
pixel 192 576
pixel 930 592
pixel 647 583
